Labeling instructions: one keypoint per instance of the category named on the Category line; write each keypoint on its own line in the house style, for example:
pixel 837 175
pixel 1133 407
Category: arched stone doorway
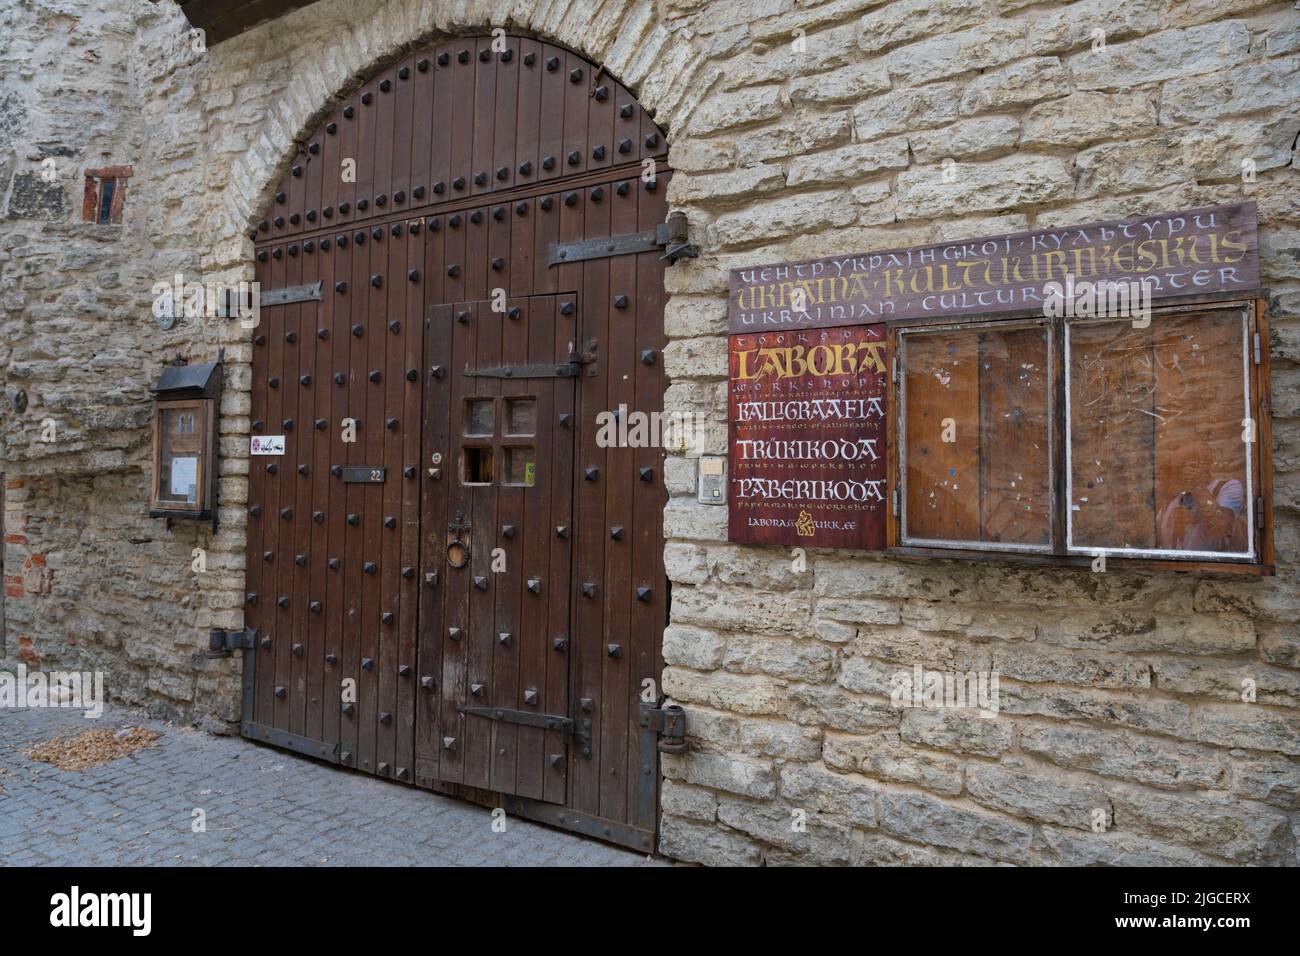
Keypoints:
pixel 451 582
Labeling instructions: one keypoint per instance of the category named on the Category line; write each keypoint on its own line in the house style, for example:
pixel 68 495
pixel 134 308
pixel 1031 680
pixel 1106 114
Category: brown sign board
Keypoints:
pixel 1197 251
pixel 806 425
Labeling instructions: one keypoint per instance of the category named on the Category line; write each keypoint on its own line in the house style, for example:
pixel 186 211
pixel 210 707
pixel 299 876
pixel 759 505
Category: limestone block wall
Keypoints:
pixel 797 129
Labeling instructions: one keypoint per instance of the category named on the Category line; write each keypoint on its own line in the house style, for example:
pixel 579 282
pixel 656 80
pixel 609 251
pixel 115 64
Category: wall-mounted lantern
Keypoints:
pixel 187 401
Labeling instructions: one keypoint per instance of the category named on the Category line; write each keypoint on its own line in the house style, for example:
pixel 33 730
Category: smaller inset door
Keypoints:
pixel 494 708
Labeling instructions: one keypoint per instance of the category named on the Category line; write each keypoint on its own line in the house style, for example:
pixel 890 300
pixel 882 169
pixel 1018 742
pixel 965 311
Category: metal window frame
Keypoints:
pixel 1063 552
pixel 1251 554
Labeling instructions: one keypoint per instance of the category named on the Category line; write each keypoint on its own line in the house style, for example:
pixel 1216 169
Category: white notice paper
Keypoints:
pixel 185 472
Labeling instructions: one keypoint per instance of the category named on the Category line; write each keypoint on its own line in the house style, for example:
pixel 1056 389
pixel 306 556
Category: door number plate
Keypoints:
pixel 363 475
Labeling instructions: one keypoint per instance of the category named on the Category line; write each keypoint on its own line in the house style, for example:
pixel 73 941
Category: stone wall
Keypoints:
pixel 1120 691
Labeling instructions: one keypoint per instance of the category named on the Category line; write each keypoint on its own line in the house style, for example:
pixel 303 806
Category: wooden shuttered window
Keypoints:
pixel 1062 439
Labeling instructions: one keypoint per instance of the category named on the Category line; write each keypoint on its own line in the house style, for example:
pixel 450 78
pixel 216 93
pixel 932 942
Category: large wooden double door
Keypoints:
pixel 450 582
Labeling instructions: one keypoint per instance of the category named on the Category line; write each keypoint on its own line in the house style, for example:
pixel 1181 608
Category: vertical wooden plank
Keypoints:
pixel 457 630
pixel 480 733
pixel 1112 415
pixel 562 312
pixel 1015 485
pixel 485 97
pixel 358 143
pixel 454 128
pixel 261 514
pixel 523 213
pixel 328 160
pixel 551 132
pixel 591 633
pixel 334 409
pixel 479 277
pixel 649 499
pixel 360 733
pixel 433 573
pixel 505 116
pixel 372 257
pixel 411 472
pixel 546 230
pixel 404 134
pixel 627 134
pixel 322 368
pixel 941 382
pixel 620 483
pixel 358 295
pixel 395 332
pixel 382 442
pixel 537 529
pixel 308 665
pixel 304 388
pixel 601 106
pixel 507 585
pixel 576 94
pixel 528 115
pixel 352 304
pixel 422 133
pixel 313 173
pixel 272 529
pixel 289 481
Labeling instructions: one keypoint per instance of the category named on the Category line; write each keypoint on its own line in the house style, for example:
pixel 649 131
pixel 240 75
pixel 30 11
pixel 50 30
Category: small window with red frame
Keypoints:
pixel 105 195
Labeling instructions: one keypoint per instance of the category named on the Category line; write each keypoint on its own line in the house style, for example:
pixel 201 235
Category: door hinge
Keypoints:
pixel 895 369
pixel 669 722
pixel 1259 513
pixel 670 235
pixel 1258 350
pixel 221 643
pixel 893 495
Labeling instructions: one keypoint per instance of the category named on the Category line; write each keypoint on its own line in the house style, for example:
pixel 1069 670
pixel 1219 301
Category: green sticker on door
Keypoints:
pixel 530 473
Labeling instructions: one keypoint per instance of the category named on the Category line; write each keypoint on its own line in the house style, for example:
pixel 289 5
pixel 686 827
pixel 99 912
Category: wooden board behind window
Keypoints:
pixel 941 382
pixel 1158 459
pixel 988 390
pixel 1015 474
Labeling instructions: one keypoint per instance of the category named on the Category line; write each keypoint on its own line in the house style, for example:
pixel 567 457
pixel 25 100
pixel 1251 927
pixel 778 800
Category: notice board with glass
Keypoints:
pixel 1054 396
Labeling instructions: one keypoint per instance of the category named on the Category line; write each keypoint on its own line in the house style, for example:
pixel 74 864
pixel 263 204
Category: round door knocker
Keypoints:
pixel 457 547
pixel 458 553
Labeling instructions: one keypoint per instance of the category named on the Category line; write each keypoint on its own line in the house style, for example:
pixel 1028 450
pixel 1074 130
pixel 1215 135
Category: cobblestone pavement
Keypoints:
pixel 263 808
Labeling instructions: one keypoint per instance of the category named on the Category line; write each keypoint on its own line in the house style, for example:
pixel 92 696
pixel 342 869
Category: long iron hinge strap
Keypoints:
pixel 583 249
pixel 567 370
pixel 290 294
pixel 671 236
pixel 524 717
pixel 570 369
